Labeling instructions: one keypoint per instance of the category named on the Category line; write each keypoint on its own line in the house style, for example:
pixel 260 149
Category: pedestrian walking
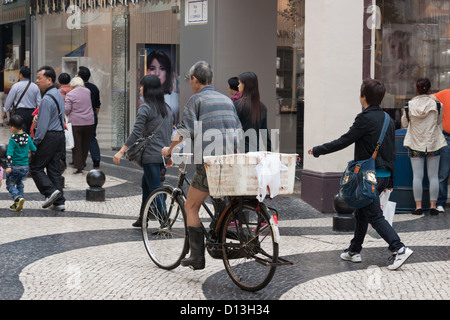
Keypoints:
pixel 94 149
pixel 23 98
pixel 19 145
pixel 46 166
pixel 364 133
pixel 154 114
pixel 216 112
pixel 64 84
pixel 78 109
pixel 424 141
pixel 64 88
pixel 252 113
pixel 444 164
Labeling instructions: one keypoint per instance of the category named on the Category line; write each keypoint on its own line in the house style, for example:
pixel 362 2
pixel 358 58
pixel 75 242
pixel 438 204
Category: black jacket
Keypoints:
pixel 364 132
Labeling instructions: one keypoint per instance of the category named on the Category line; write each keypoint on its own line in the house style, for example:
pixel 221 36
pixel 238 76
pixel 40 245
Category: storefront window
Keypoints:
pixel 116 44
pixel 154 49
pixel 413 41
pixel 71 39
pixel 290 74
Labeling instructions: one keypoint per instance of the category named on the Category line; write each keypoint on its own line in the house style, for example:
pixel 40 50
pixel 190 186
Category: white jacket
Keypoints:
pixel 424 133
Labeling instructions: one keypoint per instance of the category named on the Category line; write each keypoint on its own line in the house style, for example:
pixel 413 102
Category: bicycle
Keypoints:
pixel 244 234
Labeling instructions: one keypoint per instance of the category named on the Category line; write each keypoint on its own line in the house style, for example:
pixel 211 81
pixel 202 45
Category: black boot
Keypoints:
pixel 197 246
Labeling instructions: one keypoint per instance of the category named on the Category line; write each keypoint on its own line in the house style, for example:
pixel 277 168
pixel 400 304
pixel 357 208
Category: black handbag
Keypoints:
pixel 358 182
pixel 135 152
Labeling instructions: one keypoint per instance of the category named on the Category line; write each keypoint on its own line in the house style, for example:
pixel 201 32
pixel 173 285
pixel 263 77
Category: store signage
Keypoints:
pixel 5 2
pixel 196 12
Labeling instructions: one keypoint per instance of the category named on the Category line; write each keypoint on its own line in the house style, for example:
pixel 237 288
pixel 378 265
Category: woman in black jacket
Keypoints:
pixel 252 113
pixel 365 132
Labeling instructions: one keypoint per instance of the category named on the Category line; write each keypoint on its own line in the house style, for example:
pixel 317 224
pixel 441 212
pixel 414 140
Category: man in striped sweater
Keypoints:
pixel 211 123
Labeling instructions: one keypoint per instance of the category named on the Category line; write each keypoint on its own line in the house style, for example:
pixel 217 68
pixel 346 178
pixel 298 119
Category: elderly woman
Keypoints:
pixel 79 111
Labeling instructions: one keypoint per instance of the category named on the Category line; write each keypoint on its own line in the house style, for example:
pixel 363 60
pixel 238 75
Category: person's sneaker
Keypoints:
pixel 53 197
pixel 59 207
pixel 351 256
pixel 19 205
pixel 440 209
pixel 13 207
pixel 399 258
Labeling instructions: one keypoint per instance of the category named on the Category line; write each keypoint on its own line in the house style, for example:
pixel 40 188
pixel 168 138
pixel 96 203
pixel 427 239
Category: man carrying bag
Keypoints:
pixel 365 133
pixel 23 98
pixel 46 165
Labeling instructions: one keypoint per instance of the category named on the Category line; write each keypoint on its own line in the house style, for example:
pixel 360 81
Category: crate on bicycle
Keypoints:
pixel 251 174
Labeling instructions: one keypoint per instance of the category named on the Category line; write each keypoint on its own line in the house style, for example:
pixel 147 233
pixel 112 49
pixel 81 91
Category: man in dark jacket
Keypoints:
pixel 365 132
pixel 94 149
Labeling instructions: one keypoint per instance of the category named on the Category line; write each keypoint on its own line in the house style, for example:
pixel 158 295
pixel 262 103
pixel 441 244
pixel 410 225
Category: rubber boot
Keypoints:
pixel 197 246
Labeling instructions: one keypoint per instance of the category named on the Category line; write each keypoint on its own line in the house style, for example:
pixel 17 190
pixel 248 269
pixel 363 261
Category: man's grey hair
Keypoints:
pixel 202 71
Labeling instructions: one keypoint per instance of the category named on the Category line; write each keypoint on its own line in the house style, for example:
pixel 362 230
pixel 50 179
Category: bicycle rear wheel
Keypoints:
pixel 249 246
pixel 164 229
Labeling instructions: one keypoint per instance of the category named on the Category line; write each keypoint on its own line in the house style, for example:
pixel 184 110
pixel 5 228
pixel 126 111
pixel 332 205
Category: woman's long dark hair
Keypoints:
pixel 154 94
pixel 250 96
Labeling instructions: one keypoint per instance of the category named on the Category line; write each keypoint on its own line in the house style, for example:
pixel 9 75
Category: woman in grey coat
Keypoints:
pixel 152 112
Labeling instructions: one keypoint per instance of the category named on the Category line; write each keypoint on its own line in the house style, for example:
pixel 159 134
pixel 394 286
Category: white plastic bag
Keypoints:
pixel 388 208
pixel 268 174
pixel 70 142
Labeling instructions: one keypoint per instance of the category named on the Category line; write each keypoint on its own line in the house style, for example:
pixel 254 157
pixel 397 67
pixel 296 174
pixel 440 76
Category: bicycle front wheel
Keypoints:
pixel 249 247
pixel 164 229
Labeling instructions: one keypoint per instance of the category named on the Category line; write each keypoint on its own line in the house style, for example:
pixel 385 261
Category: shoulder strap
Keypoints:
pixel 20 98
pixel 157 128
pixel 59 110
pixel 387 119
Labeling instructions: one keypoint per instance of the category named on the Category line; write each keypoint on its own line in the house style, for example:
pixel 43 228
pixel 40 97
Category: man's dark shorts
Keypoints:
pixel 199 180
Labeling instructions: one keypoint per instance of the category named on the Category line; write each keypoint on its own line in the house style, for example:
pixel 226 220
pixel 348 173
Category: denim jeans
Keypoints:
pixel 374 215
pixel 151 179
pixel 444 171
pixel 14 181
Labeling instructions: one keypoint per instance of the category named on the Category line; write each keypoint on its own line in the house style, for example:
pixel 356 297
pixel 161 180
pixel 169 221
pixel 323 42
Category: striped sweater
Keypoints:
pixel 206 115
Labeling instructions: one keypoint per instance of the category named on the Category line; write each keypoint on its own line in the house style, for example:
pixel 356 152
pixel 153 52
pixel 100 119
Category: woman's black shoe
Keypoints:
pixel 137 223
pixel 417 212
pixel 434 212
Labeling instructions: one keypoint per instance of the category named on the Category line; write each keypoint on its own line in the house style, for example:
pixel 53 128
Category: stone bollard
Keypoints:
pixel 343 221
pixel 95 179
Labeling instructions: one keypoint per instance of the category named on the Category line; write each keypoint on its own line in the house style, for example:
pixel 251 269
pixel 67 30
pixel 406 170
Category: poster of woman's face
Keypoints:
pixel 161 61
